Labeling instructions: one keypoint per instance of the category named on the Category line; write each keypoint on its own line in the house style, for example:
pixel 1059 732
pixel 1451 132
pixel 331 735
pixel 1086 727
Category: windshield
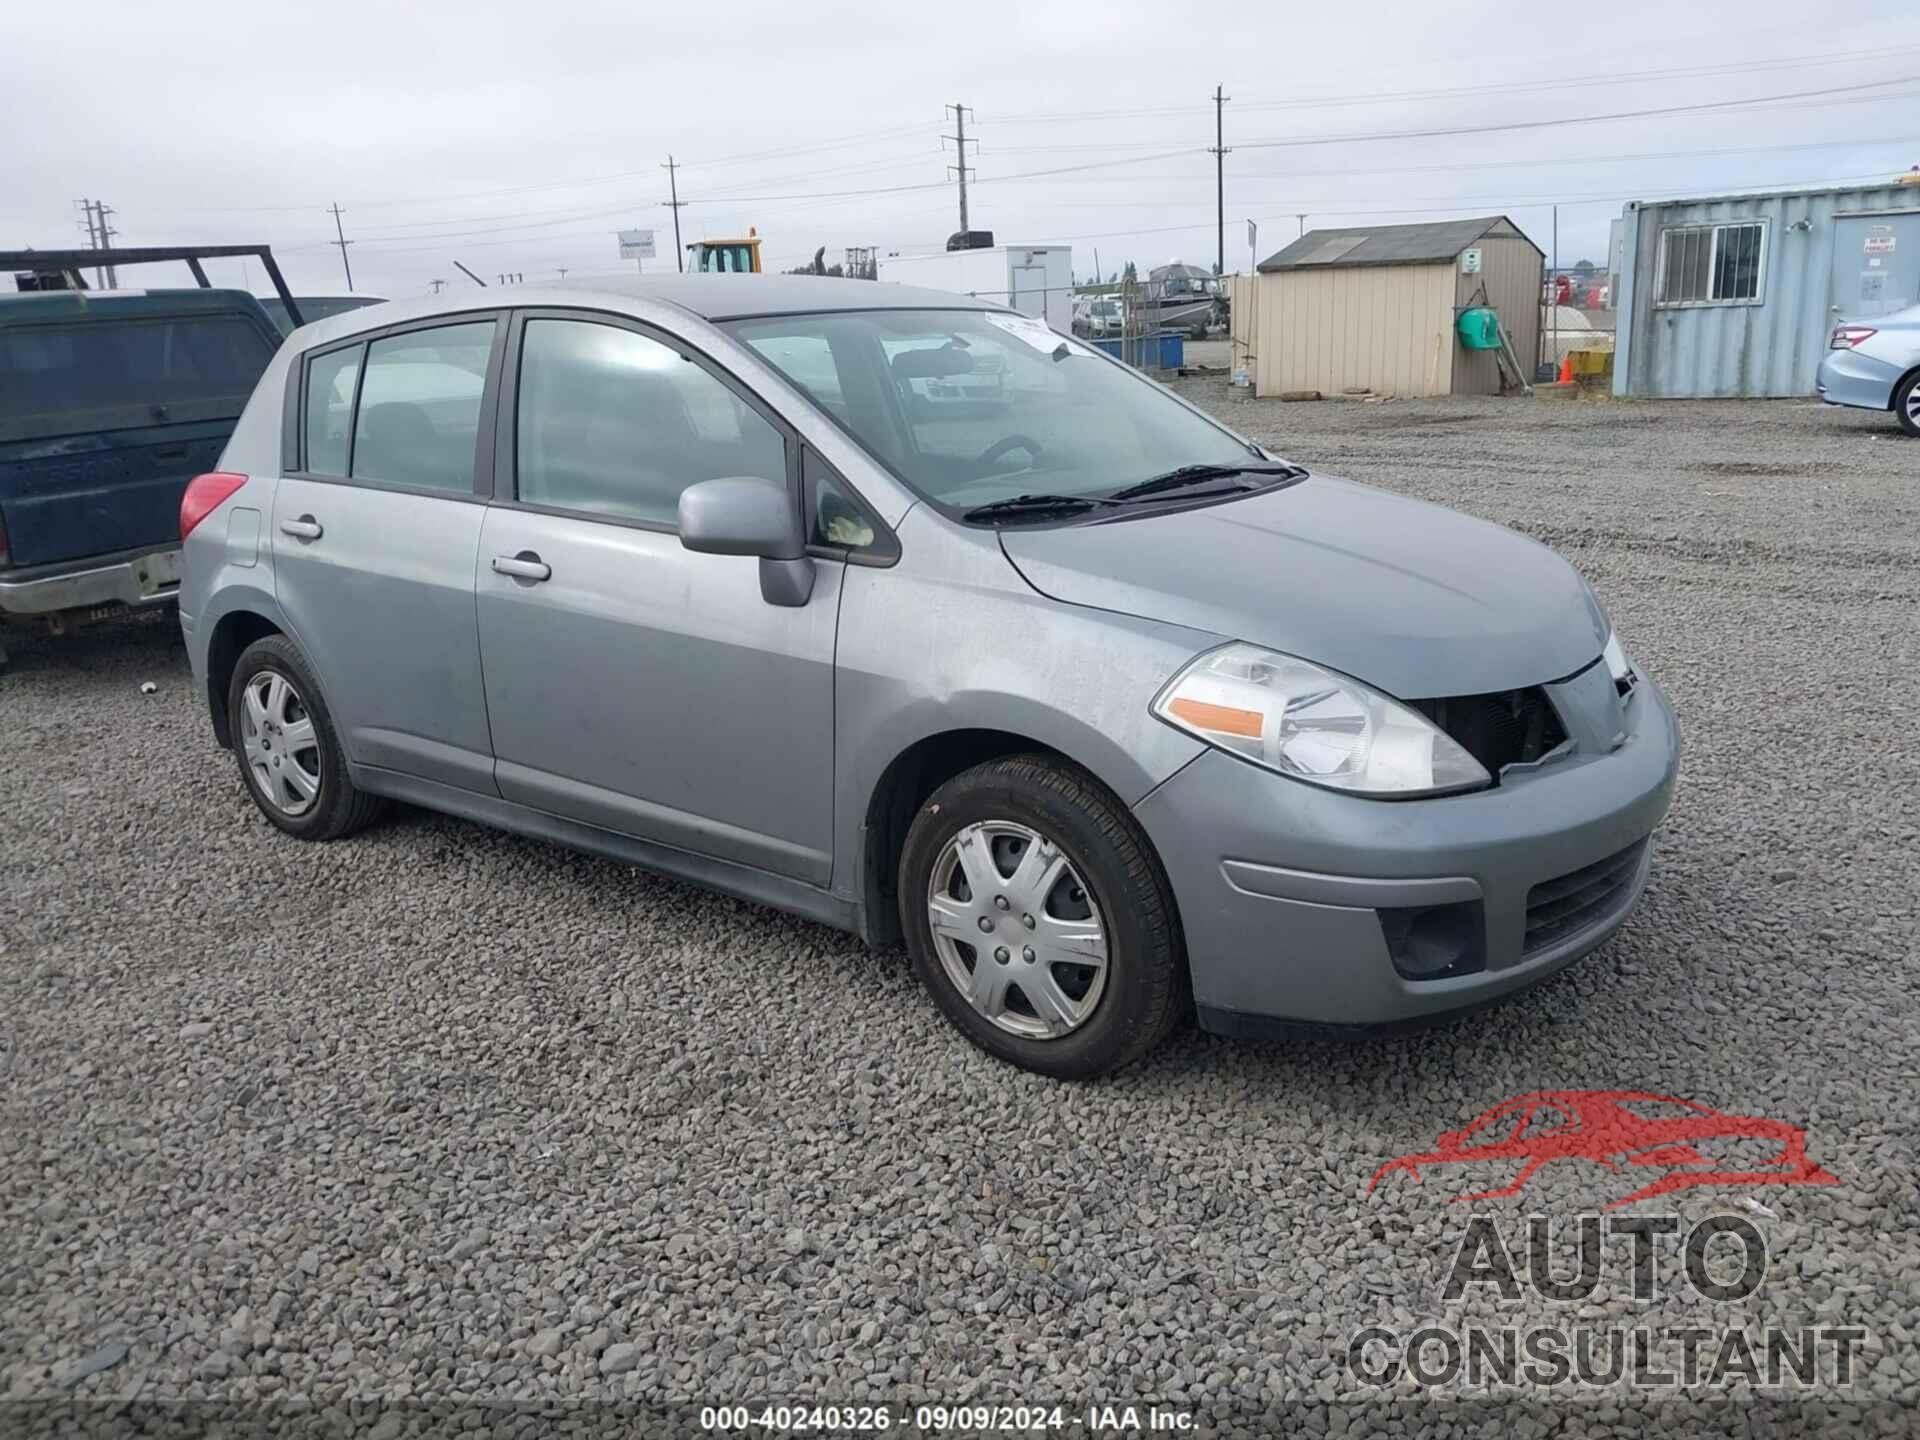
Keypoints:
pixel 102 365
pixel 721 256
pixel 970 407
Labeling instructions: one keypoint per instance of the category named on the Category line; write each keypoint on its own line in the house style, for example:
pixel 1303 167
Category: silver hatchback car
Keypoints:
pixel 909 615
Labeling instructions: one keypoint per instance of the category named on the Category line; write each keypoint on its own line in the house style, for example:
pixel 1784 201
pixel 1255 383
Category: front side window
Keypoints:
pixel 419 407
pixel 615 423
pixel 330 384
pixel 1712 264
pixel 969 407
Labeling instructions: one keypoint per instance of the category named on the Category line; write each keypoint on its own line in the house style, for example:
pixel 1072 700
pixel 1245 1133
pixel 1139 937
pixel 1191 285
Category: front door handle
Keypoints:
pixel 305 528
pixel 524 566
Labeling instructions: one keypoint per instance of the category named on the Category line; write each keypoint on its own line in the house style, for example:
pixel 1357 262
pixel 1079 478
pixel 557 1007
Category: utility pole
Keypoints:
pixel 100 212
pixel 438 285
pixel 93 240
pixel 99 237
pixel 342 242
pixel 1220 179
pixel 673 189
pixel 960 142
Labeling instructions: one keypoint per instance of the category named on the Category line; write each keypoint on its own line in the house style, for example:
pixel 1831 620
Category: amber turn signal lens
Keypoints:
pixel 1220 719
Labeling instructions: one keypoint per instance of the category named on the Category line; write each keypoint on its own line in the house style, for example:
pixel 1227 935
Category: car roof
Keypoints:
pixel 36 306
pixel 711 297
pixel 733 297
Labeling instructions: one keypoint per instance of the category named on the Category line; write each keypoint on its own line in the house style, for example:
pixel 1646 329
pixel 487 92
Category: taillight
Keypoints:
pixel 1845 337
pixel 206 494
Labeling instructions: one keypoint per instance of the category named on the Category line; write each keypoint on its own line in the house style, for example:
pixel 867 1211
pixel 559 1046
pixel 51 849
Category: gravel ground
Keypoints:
pixel 439 1114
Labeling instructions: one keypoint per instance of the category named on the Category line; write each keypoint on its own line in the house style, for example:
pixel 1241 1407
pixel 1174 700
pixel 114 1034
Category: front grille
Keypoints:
pixel 1559 908
pixel 1512 727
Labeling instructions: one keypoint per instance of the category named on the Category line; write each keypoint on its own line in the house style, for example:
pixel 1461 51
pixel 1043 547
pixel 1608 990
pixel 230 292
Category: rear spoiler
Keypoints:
pixel 71 264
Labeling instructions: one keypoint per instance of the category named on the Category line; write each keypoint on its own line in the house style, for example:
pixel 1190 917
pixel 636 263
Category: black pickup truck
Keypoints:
pixel 110 402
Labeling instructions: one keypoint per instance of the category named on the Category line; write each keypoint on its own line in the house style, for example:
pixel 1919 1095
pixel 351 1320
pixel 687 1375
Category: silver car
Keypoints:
pixel 1100 708
pixel 1875 365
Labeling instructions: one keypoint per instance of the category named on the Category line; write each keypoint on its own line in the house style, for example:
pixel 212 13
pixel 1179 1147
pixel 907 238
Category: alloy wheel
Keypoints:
pixel 278 739
pixel 1017 930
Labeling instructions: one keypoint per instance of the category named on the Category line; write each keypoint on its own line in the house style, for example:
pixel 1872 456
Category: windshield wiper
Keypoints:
pixel 1188 475
pixel 1022 505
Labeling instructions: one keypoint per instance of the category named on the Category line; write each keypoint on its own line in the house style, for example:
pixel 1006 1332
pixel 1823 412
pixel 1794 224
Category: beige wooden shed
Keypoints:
pixel 1374 309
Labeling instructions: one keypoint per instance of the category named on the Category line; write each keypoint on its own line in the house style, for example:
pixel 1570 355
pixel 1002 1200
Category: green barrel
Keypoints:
pixel 1479 328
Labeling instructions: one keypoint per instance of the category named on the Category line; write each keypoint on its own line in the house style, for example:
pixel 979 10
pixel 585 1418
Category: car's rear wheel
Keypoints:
pixel 1906 404
pixel 1039 920
pixel 290 755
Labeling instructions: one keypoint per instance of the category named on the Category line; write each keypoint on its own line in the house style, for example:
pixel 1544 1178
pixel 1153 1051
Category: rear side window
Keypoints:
pixel 108 364
pixel 330 382
pixel 614 423
pixel 419 407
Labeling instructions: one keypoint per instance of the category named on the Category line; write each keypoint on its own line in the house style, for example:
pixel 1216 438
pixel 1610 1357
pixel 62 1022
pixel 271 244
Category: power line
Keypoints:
pixel 1374 97
pixel 1457 203
pixel 1293 103
pixel 526 219
pixel 1556 161
pixel 1751 102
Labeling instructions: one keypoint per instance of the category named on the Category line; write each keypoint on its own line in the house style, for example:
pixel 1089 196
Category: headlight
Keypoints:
pixel 1313 725
pixel 1616 658
pixel 1618 666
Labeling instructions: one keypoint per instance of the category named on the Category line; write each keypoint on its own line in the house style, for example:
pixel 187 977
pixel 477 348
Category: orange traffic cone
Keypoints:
pixel 1566 368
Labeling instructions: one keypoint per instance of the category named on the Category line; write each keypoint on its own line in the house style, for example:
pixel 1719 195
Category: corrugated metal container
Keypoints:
pixel 1692 324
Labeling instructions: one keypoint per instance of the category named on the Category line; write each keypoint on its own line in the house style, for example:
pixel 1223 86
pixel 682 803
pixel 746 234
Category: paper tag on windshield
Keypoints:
pixel 1036 334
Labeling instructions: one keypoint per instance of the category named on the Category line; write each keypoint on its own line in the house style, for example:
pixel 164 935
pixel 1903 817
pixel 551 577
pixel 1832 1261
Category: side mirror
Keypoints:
pixel 746 515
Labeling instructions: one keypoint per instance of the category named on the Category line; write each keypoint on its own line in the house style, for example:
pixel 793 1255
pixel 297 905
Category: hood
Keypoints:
pixel 1417 600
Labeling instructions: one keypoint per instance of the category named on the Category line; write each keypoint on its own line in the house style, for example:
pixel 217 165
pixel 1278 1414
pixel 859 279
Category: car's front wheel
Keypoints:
pixel 1906 404
pixel 290 755
pixel 1039 919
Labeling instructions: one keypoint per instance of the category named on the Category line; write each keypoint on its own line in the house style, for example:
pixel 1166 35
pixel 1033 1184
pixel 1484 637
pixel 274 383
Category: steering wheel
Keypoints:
pixel 1009 444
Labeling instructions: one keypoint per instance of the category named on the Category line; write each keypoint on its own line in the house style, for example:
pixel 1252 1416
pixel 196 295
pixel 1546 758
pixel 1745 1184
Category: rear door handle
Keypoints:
pixel 524 566
pixel 305 528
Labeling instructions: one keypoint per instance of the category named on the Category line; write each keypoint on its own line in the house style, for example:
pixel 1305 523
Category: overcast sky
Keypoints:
pixel 520 137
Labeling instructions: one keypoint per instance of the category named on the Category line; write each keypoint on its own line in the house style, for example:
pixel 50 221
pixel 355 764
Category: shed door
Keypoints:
pixel 1876 265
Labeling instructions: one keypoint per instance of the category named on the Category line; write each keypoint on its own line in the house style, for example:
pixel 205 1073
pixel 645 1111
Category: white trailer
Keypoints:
pixel 1036 280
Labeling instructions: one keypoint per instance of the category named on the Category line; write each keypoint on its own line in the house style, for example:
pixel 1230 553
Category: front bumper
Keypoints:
pixel 150 577
pixel 1846 377
pixel 1281 885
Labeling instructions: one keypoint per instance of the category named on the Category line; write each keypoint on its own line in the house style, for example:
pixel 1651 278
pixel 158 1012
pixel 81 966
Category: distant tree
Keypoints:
pixel 1129 274
pixel 1584 268
pixel 816 266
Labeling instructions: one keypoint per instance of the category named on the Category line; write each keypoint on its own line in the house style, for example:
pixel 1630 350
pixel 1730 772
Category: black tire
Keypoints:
pixel 1904 406
pixel 1145 990
pixel 339 808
